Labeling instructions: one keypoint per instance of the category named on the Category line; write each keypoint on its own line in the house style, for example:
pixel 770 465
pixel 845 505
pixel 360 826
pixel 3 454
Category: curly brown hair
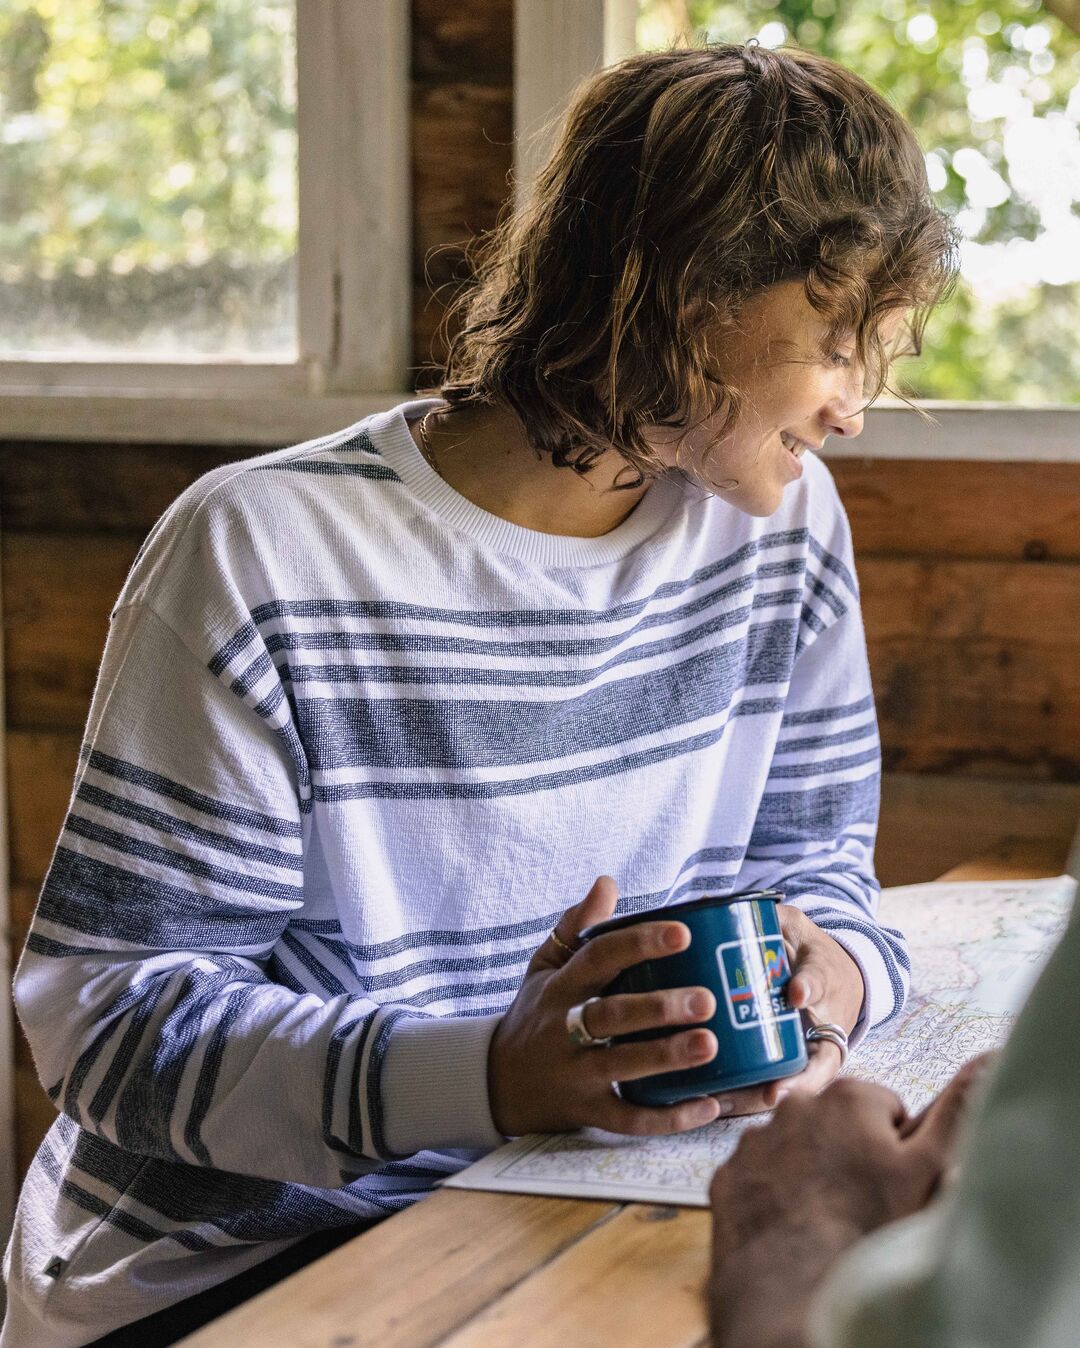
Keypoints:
pixel 683 183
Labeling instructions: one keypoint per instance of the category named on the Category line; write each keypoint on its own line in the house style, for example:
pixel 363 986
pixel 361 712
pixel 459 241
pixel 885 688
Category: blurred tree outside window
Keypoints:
pixel 992 88
pixel 148 192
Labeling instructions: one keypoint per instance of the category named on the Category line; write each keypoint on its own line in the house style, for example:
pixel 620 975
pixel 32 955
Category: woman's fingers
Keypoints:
pixel 618 1116
pixel 672 1053
pixel 822 1066
pixel 604 957
pixel 630 1013
pixel 824 975
pixel 751 1100
pixel 597 906
pixel 809 983
pixel 812 1080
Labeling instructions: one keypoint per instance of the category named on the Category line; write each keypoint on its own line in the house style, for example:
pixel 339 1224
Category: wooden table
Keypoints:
pixel 476 1270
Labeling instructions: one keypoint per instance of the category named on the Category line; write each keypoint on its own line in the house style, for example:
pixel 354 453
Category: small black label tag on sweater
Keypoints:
pixel 55 1267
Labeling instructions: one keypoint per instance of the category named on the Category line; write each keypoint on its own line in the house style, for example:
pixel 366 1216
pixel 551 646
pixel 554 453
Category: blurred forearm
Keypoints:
pixel 761 1293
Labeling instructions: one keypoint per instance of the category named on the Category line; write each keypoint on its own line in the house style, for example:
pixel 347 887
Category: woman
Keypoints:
pixel 376 712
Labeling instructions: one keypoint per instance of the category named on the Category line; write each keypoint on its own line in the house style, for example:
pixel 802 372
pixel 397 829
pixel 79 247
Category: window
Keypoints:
pixel 202 197
pixel 149 192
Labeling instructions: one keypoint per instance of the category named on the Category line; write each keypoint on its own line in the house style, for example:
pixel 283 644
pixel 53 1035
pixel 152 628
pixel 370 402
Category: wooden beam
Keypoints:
pixel 976 666
pixel 271 419
pixel 1012 859
pixel 58 593
pixel 957 509
pixel 930 823
pixel 355 208
pixel 897 507
pixel 98 488
pixel 9 1092
pixel 976 663
pixel 35 1117
pixel 41 765
pixel 462 151
pixel 473 42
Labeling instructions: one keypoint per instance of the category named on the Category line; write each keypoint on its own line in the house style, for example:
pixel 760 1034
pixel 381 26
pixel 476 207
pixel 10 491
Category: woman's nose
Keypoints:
pixel 843 423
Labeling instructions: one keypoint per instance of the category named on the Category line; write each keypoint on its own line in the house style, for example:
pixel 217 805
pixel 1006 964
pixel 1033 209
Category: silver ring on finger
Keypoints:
pixel 830 1033
pixel 579 1031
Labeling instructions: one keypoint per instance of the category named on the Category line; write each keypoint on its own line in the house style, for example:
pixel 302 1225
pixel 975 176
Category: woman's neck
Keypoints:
pixel 483 454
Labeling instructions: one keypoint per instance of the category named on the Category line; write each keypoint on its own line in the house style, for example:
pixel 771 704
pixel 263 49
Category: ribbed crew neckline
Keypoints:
pixel 390 432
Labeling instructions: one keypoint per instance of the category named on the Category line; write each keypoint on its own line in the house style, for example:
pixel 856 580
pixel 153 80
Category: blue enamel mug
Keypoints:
pixel 737 951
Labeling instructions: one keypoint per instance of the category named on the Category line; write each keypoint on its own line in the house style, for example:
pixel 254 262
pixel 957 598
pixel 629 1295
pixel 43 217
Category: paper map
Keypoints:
pixel 976 949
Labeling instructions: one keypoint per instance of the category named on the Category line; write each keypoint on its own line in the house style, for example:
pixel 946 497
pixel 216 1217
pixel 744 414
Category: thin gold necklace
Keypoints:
pixel 425 443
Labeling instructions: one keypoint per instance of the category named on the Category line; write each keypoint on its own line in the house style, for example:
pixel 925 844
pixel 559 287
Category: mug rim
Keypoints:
pixel 673 911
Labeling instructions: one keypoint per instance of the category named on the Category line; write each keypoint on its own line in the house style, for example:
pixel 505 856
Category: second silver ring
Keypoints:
pixel 830 1033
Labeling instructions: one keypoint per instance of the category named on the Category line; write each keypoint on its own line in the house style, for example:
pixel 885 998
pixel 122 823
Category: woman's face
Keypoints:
pixel 794 395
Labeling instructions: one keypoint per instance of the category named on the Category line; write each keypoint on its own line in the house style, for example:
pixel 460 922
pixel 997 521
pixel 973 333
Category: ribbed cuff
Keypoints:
pixel 434 1084
pixel 884 990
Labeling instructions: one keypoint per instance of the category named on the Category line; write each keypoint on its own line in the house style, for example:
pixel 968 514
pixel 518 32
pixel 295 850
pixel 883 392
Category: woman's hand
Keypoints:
pixel 827 984
pixel 539 1081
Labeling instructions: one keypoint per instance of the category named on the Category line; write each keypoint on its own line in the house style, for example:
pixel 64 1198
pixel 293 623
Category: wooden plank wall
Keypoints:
pixel 970 577
pixel 970 572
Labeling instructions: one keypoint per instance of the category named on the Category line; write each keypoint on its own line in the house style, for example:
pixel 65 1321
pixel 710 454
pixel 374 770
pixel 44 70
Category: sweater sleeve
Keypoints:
pixel 148 989
pixel 813 837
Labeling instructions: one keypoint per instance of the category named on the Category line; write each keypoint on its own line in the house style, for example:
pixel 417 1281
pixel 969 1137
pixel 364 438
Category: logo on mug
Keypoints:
pixel 755 976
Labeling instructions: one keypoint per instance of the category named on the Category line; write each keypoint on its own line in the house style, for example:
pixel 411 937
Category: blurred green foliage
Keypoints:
pixel 950 66
pixel 143 138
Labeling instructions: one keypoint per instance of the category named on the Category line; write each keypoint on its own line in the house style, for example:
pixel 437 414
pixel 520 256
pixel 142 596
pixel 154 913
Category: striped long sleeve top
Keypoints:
pixel 355 744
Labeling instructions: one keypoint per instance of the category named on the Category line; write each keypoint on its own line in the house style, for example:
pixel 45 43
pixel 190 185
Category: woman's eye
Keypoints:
pixel 839 359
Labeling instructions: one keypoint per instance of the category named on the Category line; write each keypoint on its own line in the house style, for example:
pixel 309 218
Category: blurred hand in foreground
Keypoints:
pixel 801 1190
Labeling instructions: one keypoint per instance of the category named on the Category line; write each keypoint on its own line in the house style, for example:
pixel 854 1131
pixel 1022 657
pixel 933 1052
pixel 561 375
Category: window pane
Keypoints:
pixel 991 89
pixel 147 178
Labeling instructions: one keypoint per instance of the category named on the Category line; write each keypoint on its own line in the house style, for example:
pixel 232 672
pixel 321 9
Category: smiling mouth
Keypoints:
pixel 794 445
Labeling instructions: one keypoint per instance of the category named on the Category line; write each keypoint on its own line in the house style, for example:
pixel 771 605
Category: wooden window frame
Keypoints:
pixel 559 42
pixel 354 329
